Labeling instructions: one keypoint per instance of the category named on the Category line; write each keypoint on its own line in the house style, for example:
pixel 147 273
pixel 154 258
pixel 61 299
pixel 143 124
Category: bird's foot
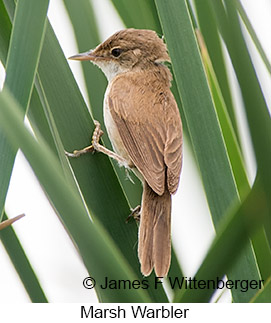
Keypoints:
pixel 95 146
pixel 94 143
pixel 135 214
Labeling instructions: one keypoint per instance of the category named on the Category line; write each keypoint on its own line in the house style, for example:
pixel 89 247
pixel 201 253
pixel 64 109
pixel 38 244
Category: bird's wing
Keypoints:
pixel 150 127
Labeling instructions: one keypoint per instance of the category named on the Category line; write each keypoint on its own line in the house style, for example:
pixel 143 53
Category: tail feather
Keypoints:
pixel 154 249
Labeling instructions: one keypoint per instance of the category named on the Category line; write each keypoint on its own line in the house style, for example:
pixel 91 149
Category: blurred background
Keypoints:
pixel 46 243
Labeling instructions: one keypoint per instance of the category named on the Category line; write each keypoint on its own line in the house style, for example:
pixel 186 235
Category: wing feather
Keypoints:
pixel 150 128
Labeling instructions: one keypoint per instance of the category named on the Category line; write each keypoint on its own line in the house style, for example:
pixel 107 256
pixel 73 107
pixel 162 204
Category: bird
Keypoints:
pixel 143 123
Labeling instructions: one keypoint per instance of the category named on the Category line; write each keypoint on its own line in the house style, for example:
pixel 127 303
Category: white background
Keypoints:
pixel 46 243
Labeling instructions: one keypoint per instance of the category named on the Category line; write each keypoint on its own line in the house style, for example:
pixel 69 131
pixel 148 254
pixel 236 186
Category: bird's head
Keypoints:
pixel 126 50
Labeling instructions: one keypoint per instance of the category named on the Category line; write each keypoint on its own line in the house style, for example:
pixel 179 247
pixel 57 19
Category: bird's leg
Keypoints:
pixel 98 147
pixel 95 146
pixel 135 213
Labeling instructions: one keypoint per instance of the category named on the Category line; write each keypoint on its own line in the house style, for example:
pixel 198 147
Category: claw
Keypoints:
pixel 77 153
pixel 134 214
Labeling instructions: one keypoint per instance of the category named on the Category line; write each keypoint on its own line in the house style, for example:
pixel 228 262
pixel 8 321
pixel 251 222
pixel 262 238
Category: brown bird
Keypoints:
pixel 144 125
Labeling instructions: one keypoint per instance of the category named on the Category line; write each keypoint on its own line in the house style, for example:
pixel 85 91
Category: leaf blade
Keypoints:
pixel 22 60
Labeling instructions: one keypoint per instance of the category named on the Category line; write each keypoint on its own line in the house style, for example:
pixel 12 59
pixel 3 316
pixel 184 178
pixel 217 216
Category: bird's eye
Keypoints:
pixel 116 52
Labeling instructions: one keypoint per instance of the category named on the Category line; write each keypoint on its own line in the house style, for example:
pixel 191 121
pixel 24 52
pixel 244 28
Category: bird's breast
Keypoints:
pixel 113 132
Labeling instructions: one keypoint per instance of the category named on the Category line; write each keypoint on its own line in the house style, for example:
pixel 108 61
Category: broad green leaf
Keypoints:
pixel 22 265
pixel 91 239
pixel 230 139
pixel 5 27
pixel 39 122
pixel 35 112
pixel 210 34
pixel 24 50
pixel 203 126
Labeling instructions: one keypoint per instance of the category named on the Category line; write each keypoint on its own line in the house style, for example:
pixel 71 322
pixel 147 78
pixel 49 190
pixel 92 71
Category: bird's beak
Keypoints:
pixel 87 56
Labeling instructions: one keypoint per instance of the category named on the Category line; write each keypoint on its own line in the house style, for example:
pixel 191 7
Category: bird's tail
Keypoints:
pixel 154 248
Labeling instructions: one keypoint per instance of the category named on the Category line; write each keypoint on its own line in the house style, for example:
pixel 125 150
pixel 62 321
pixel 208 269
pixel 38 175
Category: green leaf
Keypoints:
pixel 5 27
pixel 230 139
pixel 38 121
pixel 203 126
pixel 35 112
pixel 22 265
pixel 210 34
pixel 24 50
